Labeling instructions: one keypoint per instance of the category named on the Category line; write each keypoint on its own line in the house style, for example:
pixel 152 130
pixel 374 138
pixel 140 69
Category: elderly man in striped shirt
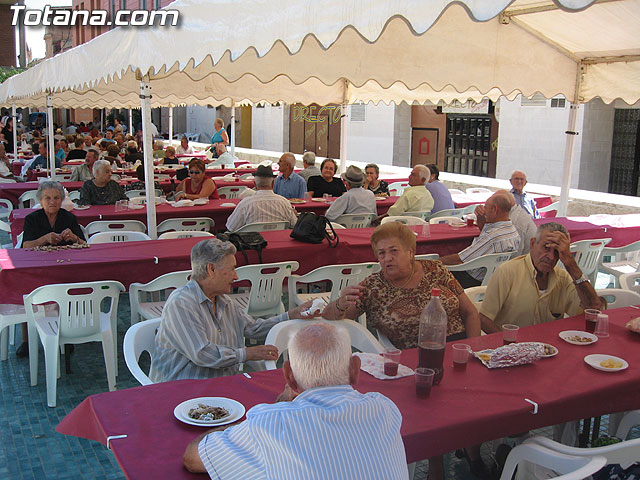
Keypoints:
pixel 327 431
pixel 497 235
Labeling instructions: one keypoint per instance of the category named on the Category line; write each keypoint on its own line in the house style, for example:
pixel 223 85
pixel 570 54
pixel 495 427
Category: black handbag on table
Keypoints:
pixel 312 228
pixel 245 241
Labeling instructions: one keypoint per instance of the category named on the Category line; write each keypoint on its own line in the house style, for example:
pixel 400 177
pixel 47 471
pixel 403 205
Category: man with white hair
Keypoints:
pixel 356 200
pixel 263 206
pixel 309 164
pixel 224 160
pixel 328 430
pixel 416 197
pixel 289 184
pixel 202 331
pixel 518 181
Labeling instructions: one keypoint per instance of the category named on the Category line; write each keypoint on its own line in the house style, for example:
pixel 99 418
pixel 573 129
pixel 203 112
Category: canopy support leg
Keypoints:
pixel 145 109
pixel 52 156
pixel 170 125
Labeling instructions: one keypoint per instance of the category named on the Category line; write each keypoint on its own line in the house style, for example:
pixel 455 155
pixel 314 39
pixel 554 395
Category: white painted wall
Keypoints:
pixel 597 139
pixel 267 128
pixel 371 141
pixel 200 120
pixel 532 139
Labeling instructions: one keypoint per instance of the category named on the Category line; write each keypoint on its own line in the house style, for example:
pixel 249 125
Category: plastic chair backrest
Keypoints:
pixel 407 220
pixel 449 220
pixel 476 294
pixel 79 310
pixel 183 234
pixel 627 422
pixel 587 255
pixel 340 276
pixel 154 288
pixel 630 281
pixel 201 224
pixel 478 190
pixel 280 334
pixel 141 193
pixel 570 467
pixel 119 236
pixel 356 220
pixel 231 192
pixel 28 199
pixel 19 240
pixel 115 226
pixel 449 212
pixel 74 196
pixel 455 191
pixel 490 261
pixel 550 208
pixel 618 297
pixel 424 215
pixel 624 452
pixel 396 189
pixel 140 338
pixel 265 295
pixel 263 226
pixel 7 208
pixel 336 226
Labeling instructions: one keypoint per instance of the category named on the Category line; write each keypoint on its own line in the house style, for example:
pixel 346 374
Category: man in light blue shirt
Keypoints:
pixel 518 181
pixel 441 196
pixel 356 200
pixel 289 184
pixel 327 431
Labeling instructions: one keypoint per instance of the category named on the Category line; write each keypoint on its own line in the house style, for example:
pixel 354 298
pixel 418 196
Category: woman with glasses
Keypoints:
pixel 197 185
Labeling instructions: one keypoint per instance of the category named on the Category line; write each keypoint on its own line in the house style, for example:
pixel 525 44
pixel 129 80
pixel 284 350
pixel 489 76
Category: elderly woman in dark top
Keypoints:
pixel 378 187
pixel 51 225
pixel 326 182
pixel 101 190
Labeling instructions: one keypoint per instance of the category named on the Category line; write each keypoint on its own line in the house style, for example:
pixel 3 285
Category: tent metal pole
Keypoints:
pixel 130 122
pixel 569 144
pixel 170 125
pixel 145 108
pixel 343 129
pixel 102 119
pixel 232 130
pixel 15 131
pixel 52 156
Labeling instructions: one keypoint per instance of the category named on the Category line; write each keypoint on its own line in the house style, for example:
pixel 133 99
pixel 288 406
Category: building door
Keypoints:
pixel 424 146
pixel 315 128
pixel 625 153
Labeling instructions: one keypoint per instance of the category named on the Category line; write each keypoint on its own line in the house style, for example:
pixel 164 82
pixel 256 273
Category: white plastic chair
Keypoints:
pixel 428 256
pixel 120 236
pixel 552 207
pixel 630 281
pixel 146 299
pixel 202 224
pixel 231 192
pixel 356 220
pixel 340 277
pixel 449 212
pixel 618 298
pixel 424 215
pixel 5 227
pixel 587 255
pixel 407 220
pixel 448 220
pixel 626 422
pixel 74 196
pixel 183 234
pixel 617 267
pixel 336 226
pixel 490 261
pixel 264 298
pixel 396 189
pixel 476 294
pixel 455 191
pixel 6 207
pixel 624 453
pixel 473 190
pixel 140 338
pixel 79 320
pixel 280 334
pixel 142 193
pixel 10 316
pixel 570 467
pixel 115 226
pixel 263 226
pixel 28 199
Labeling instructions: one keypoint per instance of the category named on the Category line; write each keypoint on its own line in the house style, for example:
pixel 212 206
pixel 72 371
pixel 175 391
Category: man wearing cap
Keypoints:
pixel 264 206
pixel 356 200
pixel 289 184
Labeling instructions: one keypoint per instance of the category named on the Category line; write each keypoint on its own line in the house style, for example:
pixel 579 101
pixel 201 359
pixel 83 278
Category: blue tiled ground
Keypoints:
pixel 30 448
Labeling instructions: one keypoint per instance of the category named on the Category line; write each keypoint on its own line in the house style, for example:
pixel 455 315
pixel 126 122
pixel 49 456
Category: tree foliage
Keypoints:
pixel 6 72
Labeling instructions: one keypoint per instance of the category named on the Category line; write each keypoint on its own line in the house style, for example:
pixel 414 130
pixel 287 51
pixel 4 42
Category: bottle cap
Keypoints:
pixel 435 292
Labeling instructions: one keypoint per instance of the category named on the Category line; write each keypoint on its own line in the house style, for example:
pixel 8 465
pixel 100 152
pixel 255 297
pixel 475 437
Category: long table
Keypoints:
pixel 468 407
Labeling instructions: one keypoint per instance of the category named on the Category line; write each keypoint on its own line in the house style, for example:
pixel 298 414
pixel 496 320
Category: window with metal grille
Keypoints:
pixel 468 144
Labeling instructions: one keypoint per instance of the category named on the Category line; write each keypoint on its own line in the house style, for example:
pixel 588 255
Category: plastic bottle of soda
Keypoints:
pixel 432 336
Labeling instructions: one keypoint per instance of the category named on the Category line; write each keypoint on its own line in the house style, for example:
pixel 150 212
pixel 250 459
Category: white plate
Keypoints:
pixel 595 359
pixel 567 334
pixel 81 207
pixel 380 199
pixel 201 201
pixel 236 411
pixel 228 204
pixel 317 199
pixel 551 354
pixel 135 206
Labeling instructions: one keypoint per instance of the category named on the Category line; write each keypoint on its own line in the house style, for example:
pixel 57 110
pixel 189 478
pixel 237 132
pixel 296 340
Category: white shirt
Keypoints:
pixel 226 160
pixel 182 151
pixel 524 225
pixel 264 206
pixel 356 200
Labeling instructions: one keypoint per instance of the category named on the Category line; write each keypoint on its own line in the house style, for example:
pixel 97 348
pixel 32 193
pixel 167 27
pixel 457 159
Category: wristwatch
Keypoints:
pixel 580 280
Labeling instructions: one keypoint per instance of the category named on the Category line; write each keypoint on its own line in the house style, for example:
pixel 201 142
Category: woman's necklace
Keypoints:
pixel 406 282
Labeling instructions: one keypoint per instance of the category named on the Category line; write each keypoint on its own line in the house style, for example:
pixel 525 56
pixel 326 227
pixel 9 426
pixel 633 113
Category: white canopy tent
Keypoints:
pixel 346 51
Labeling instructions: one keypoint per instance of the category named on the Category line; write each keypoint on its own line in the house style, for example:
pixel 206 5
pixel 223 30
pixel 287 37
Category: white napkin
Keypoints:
pixel 373 363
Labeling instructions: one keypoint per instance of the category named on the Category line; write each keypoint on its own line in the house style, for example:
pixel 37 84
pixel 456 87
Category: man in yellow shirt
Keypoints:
pixel 531 289
pixel 416 197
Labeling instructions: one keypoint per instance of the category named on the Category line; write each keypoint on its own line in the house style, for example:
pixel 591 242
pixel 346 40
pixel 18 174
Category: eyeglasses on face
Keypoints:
pixel 194 172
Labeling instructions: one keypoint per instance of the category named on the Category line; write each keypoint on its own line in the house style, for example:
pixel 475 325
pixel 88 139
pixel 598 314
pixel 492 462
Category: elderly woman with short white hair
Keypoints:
pixel 101 190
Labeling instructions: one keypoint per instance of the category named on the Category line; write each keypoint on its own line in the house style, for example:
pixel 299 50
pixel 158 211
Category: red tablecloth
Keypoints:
pixel 466 408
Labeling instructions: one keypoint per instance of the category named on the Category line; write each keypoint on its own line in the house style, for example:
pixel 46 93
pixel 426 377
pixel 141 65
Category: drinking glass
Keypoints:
pixel 509 333
pixel 461 353
pixel 391 360
pixel 424 381
pixel 590 319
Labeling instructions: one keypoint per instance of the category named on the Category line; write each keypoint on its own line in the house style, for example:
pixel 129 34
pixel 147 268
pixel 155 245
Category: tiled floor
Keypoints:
pixel 31 449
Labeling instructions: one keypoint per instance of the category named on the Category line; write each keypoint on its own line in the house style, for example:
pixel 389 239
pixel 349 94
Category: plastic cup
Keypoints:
pixel 122 205
pixel 602 326
pixel 461 353
pixel 425 230
pixel 424 381
pixel 590 319
pixel 509 333
pixel 391 361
